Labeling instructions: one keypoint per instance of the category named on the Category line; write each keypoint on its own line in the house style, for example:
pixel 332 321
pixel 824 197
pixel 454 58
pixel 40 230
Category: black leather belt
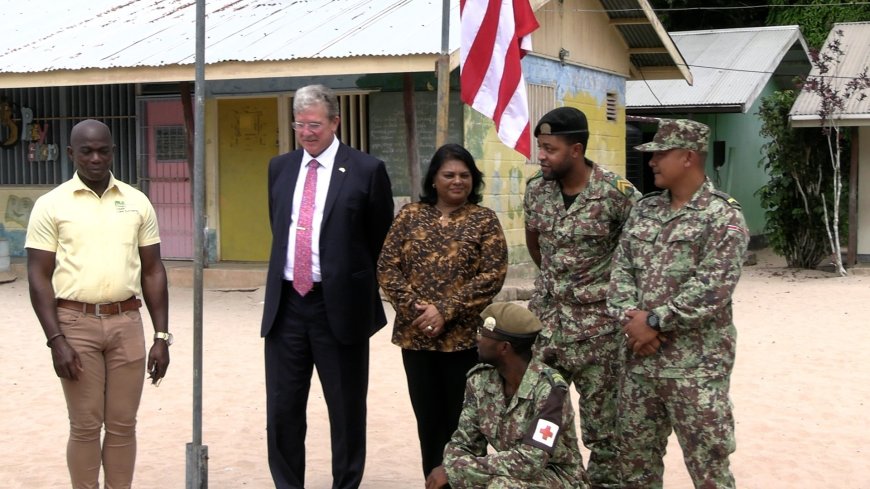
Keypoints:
pixel 314 287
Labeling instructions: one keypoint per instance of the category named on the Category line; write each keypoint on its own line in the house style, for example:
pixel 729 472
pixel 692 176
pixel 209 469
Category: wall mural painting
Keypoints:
pixel 28 131
pixel 9 130
pixel 18 210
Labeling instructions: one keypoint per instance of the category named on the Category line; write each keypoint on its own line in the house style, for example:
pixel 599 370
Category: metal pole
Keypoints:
pixel 443 95
pixel 197 454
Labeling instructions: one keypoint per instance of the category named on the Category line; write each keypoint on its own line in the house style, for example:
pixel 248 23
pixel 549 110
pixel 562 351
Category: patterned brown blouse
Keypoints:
pixel 459 267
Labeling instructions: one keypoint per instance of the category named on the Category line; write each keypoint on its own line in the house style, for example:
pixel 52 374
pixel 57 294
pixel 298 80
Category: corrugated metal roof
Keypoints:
pixel 730 68
pixel 145 33
pixel 136 35
pixel 855 44
pixel 628 16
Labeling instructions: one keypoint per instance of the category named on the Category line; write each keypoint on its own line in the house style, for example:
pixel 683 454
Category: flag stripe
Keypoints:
pixel 495 35
pixel 482 27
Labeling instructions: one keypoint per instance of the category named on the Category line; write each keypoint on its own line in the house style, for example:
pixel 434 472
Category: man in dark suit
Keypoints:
pixel 330 208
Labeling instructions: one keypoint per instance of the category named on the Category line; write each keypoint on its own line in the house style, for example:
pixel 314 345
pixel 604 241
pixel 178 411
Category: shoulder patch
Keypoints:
pixel 624 186
pixel 544 429
pixel 478 368
pixel 554 377
pixel 727 198
pixel 737 229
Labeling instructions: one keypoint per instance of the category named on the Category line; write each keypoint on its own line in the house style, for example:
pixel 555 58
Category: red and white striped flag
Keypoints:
pixel 495 35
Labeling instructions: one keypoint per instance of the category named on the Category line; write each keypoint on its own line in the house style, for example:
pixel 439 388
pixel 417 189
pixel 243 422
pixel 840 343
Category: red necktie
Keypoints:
pixel 302 279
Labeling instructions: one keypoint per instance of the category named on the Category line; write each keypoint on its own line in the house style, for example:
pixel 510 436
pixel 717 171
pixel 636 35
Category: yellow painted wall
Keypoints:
pixel 506 171
pixel 606 138
pixel 247 139
pixel 583 29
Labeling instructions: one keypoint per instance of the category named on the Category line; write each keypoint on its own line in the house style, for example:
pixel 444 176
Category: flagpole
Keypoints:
pixel 443 69
pixel 196 467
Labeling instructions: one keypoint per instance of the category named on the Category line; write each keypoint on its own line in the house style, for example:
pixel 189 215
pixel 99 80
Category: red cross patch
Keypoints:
pixel 545 432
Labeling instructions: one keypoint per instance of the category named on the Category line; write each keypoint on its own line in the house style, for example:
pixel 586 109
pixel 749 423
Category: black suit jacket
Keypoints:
pixel 356 217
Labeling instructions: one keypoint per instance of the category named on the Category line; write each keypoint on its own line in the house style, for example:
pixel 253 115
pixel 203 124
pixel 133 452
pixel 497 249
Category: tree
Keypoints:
pixel 795 161
pixel 834 90
pixel 815 17
pixel 689 15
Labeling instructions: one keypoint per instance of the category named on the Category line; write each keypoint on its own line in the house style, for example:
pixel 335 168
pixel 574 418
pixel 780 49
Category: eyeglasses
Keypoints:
pixel 312 126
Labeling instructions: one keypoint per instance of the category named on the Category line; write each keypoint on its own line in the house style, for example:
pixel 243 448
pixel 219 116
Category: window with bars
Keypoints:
pixel 170 144
pixel 542 99
pixel 43 118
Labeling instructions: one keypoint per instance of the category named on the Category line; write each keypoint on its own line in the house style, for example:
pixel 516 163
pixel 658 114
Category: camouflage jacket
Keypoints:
pixel 531 433
pixel 576 249
pixel 683 265
pixel 459 267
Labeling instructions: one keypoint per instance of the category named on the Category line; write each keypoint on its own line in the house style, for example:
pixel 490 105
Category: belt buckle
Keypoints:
pixel 100 314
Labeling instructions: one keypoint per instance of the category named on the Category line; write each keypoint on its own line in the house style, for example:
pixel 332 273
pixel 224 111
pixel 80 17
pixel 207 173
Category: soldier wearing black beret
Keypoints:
pixel 574 210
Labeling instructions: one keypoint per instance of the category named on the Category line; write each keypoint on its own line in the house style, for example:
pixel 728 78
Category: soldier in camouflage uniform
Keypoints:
pixel 574 212
pixel 519 407
pixel 674 272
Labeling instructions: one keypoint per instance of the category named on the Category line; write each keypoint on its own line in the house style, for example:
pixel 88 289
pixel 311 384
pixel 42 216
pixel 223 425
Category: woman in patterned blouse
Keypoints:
pixel 443 261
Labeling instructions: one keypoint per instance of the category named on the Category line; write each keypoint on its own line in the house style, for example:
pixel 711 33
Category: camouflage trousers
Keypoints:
pixel 697 409
pixel 593 365
pixel 548 480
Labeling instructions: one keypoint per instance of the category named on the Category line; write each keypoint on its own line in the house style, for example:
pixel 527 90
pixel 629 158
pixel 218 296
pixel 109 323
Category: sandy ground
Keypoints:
pixel 801 390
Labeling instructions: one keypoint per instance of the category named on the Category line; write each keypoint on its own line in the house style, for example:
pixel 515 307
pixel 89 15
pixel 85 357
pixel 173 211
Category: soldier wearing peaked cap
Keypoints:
pixel 674 272
pixel 518 406
pixel 574 211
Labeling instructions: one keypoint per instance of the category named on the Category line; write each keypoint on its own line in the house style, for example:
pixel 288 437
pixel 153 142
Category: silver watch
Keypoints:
pixel 167 337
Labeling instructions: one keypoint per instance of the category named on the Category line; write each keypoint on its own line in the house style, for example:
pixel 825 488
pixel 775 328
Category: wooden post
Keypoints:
pixel 852 240
pixel 187 109
pixel 443 102
pixel 443 70
pixel 411 138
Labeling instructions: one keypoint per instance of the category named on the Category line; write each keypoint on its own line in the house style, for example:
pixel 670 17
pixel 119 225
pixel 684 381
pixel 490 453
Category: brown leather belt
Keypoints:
pixel 101 310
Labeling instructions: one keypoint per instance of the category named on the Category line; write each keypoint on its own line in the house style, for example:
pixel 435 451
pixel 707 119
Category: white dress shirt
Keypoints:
pixel 324 174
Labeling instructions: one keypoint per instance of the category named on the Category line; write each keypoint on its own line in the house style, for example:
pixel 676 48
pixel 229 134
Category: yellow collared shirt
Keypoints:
pixel 96 239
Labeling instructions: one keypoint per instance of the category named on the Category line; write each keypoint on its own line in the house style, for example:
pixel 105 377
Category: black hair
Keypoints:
pixel 576 137
pixel 451 151
pixel 522 347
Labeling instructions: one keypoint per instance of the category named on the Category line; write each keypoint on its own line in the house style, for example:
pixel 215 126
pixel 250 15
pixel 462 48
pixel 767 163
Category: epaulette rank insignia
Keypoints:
pixel 624 186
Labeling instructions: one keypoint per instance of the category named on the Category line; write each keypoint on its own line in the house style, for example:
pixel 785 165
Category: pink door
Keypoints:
pixel 170 184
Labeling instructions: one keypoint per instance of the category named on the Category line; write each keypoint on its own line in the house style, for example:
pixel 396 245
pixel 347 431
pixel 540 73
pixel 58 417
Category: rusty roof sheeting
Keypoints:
pixel 144 33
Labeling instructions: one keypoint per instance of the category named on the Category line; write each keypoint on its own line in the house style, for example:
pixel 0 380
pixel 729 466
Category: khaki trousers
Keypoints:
pixel 107 393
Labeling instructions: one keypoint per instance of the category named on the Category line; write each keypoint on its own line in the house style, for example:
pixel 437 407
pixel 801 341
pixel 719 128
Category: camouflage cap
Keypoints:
pixel 678 133
pixel 564 120
pixel 510 320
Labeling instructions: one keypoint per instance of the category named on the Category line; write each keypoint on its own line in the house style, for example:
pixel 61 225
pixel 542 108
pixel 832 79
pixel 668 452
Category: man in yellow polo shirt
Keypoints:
pixel 92 247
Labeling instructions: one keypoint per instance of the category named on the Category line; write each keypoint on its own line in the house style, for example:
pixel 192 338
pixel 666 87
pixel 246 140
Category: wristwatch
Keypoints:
pixel 652 320
pixel 167 337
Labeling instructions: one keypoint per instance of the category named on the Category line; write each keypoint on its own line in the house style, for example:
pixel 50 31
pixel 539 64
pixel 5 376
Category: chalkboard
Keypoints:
pixel 387 139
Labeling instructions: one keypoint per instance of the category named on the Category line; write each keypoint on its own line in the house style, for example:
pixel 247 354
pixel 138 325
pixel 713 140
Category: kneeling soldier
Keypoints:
pixel 519 407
